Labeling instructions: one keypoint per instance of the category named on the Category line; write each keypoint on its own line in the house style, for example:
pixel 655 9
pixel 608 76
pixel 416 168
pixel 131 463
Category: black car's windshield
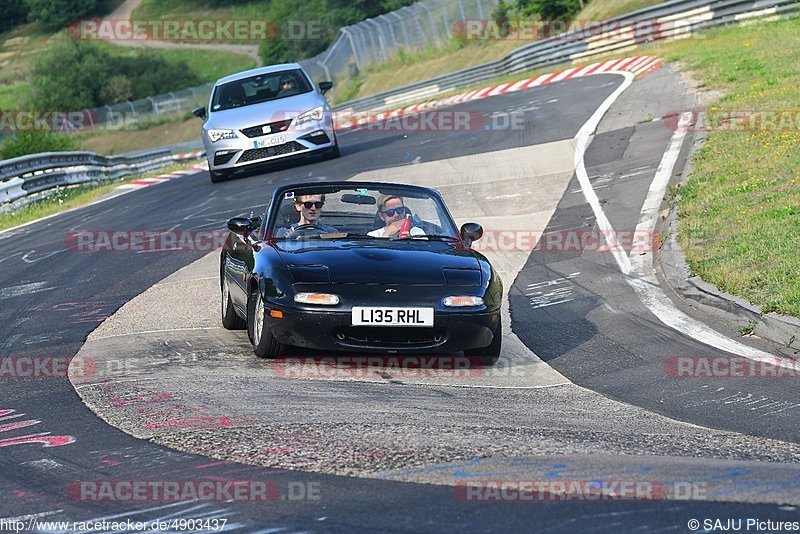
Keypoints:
pixel 361 213
pixel 261 88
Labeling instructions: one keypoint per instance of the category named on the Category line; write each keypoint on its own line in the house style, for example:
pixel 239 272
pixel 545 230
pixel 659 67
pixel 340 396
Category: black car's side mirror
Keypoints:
pixel 200 112
pixel 471 232
pixel 324 87
pixel 241 225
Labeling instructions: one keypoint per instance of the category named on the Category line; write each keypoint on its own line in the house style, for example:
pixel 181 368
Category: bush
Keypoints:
pixel 332 14
pixel 118 89
pixel 74 75
pixel 564 10
pixel 15 12
pixel 56 14
pixel 69 76
pixel 34 142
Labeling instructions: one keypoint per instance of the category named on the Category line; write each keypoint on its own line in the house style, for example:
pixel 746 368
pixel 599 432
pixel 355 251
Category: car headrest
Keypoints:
pixel 287 216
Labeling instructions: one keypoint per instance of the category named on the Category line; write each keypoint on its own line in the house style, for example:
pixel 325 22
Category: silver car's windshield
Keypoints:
pixel 261 88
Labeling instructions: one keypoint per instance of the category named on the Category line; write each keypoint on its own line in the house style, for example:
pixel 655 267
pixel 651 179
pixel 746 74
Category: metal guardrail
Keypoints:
pixel 673 19
pixel 29 176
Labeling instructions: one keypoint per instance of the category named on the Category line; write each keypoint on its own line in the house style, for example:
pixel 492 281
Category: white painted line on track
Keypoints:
pixel 638 268
pixel 581 143
pixel 644 281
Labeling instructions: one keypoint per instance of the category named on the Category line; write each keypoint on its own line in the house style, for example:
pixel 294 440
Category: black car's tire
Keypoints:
pixel 488 356
pixel 230 320
pixel 218 176
pixel 264 344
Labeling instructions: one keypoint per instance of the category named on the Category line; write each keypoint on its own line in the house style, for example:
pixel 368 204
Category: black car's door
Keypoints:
pixel 238 266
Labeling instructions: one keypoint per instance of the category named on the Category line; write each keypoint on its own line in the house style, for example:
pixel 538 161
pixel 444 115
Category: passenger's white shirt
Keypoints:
pixel 380 231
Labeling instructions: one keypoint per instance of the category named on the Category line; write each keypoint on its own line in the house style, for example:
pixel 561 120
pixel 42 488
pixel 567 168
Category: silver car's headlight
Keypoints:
pixel 311 115
pixel 218 135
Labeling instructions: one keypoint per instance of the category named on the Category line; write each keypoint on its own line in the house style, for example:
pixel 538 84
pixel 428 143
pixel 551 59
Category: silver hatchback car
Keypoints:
pixel 265 114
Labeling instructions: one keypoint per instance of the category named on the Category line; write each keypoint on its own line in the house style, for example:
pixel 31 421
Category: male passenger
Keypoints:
pixel 392 212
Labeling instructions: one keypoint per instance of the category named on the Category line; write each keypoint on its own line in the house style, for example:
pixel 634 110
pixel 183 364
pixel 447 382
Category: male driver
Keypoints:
pixel 310 208
pixel 287 86
pixel 392 212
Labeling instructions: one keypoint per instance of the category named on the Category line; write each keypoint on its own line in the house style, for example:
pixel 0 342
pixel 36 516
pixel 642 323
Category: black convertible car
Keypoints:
pixel 360 267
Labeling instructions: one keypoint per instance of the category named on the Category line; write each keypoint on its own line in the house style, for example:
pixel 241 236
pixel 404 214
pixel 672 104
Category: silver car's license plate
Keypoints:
pixel 370 316
pixel 269 141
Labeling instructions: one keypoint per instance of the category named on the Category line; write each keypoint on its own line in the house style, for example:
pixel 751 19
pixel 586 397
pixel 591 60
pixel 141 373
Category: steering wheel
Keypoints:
pixel 299 231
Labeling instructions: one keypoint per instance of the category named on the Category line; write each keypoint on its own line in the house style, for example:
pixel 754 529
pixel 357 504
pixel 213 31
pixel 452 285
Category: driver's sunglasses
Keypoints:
pixel 287 82
pixel 402 210
pixel 307 205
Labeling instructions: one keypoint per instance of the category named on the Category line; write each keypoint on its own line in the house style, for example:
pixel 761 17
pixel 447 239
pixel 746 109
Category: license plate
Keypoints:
pixel 365 316
pixel 269 141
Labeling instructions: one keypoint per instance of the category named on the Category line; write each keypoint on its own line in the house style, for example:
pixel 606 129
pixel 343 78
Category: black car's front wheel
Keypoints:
pixel 264 344
pixel 230 320
pixel 489 355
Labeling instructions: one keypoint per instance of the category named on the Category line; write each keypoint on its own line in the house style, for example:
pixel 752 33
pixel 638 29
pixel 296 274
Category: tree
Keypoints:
pixel 15 12
pixel 118 89
pixel 56 14
pixel 549 9
pixel 69 76
pixel 74 75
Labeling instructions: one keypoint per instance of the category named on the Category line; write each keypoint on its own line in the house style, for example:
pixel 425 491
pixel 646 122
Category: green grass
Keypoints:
pixel 72 197
pixel 410 67
pixel 607 9
pixel 740 210
pixel 160 9
pixel 208 65
pixel 12 95
pixel 199 9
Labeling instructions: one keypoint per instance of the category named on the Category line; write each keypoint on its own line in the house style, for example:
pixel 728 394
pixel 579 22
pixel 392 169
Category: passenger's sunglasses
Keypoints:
pixel 402 210
pixel 307 205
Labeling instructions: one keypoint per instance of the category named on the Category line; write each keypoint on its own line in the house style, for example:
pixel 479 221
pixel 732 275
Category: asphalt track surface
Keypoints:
pixel 599 337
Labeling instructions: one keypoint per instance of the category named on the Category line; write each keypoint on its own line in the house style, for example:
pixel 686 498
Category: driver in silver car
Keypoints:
pixel 310 208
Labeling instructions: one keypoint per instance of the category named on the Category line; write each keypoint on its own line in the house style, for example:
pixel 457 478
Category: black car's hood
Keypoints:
pixel 371 262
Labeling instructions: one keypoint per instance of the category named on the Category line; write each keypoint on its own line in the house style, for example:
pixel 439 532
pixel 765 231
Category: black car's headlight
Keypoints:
pixel 324 299
pixel 462 301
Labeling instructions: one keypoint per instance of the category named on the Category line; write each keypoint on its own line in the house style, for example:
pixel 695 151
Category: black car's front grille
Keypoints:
pixel 274 127
pixel 399 336
pixel 268 152
pixel 223 158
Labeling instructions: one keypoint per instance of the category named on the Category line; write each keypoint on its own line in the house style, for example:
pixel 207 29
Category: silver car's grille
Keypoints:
pixel 274 127
pixel 222 159
pixel 318 138
pixel 268 152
